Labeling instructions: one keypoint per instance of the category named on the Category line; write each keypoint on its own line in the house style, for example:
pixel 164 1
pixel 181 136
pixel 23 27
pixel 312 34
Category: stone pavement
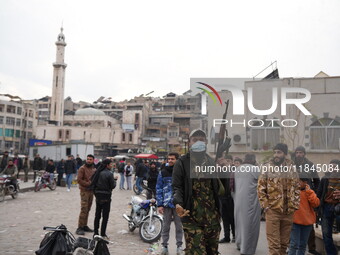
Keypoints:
pixel 22 221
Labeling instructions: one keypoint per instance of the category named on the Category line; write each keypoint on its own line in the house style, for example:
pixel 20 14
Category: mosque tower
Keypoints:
pixel 58 85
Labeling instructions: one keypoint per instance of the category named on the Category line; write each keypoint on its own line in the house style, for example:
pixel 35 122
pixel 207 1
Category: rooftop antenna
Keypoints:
pixel 271 65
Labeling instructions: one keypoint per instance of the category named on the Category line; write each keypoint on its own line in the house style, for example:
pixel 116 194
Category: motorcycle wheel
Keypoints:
pixel 135 189
pixel 37 186
pixel 150 234
pixel 53 186
pixel 2 194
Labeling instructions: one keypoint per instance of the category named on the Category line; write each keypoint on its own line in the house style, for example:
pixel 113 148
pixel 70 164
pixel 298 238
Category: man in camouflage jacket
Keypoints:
pixel 279 195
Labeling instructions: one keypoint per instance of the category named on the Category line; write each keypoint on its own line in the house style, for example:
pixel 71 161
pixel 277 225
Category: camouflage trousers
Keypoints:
pixel 201 240
pixel 86 198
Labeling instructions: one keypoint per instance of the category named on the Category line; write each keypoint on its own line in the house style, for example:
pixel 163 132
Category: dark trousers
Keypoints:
pixel 228 216
pixel 327 221
pixel 311 240
pixel 60 176
pixel 151 194
pixel 103 206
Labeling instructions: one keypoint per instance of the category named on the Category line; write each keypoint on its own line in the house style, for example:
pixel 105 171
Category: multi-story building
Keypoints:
pixel 170 121
pixel 319 132
pixel 17 124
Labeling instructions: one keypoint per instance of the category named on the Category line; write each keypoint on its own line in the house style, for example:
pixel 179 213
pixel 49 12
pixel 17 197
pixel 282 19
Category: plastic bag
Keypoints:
pixel 101 248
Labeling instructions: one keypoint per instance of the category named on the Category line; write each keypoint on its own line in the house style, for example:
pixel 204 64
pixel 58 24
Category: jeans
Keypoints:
pixel 299 238
pixel 327 221
pixel 139 184
pixel 169 216
pixel 122 180
pixel 51 178
pixel 128 182
pixel 69 180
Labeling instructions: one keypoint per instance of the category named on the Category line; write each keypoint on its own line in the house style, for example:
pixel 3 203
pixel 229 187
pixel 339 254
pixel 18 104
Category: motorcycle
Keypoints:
pixel 144 216
pixel 6 188
pixel 43 181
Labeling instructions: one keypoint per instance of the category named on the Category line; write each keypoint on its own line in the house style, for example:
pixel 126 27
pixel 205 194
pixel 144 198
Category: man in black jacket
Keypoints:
pixel 37 165
pixel 196 199
pixel 103 186
pixel 4 161
pixel 70 169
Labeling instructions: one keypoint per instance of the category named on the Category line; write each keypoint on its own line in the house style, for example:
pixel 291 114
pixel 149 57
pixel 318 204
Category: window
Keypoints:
pixel 123 137
pixel 8 144
pixel 265 135
pixel 68 151
pixel 130 137
pixel 30 124
pixel 24 123
pixel 1 119
pixel 16 145
pixel 10 121
pixel 60 134
pixel 17 133
pixel 18 122
pixel 29 135
pixel 9 132
pixel 1 134
pixel 19 110
pixel 324 134
pixel 67 134
pixel 10 108
pixel 2 107
pixel 30 113
pixel 136 118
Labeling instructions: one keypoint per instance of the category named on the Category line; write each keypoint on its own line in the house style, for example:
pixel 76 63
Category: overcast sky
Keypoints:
pixel 122 49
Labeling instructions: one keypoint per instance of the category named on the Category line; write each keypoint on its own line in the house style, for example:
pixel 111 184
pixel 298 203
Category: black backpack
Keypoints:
pixel 121 167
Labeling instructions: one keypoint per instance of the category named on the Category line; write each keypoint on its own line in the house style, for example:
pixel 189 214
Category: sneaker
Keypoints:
pixel 314 252
pixel 68 190
pixel 165 251
pixel 224 240
pixel 106 238
pixel 80 231
pixel 179 250
pixel 87 229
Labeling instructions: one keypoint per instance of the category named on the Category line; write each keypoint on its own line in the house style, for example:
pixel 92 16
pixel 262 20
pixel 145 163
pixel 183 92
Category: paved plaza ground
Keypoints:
pixel 22 220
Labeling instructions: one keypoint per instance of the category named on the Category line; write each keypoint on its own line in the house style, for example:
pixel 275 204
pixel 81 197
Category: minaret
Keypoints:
pixel 57 100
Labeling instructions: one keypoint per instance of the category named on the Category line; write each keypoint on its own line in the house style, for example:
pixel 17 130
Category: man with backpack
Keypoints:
pixel 121 169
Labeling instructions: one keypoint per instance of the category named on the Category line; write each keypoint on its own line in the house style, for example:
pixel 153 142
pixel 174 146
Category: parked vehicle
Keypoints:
pixel 144 216
pixel 43 181
pixel 8 189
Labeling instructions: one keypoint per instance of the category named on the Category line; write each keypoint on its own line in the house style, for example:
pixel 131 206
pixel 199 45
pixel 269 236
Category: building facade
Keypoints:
pixel 17 124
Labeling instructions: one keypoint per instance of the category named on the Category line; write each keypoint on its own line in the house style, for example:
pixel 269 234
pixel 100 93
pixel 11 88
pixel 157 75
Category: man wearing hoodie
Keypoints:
pixel 166 206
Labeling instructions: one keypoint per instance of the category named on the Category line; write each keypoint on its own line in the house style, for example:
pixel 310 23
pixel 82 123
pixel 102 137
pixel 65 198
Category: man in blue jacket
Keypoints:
pixel 166 206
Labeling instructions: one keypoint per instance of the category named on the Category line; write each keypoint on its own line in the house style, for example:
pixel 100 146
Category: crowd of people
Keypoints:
pixel 292 201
